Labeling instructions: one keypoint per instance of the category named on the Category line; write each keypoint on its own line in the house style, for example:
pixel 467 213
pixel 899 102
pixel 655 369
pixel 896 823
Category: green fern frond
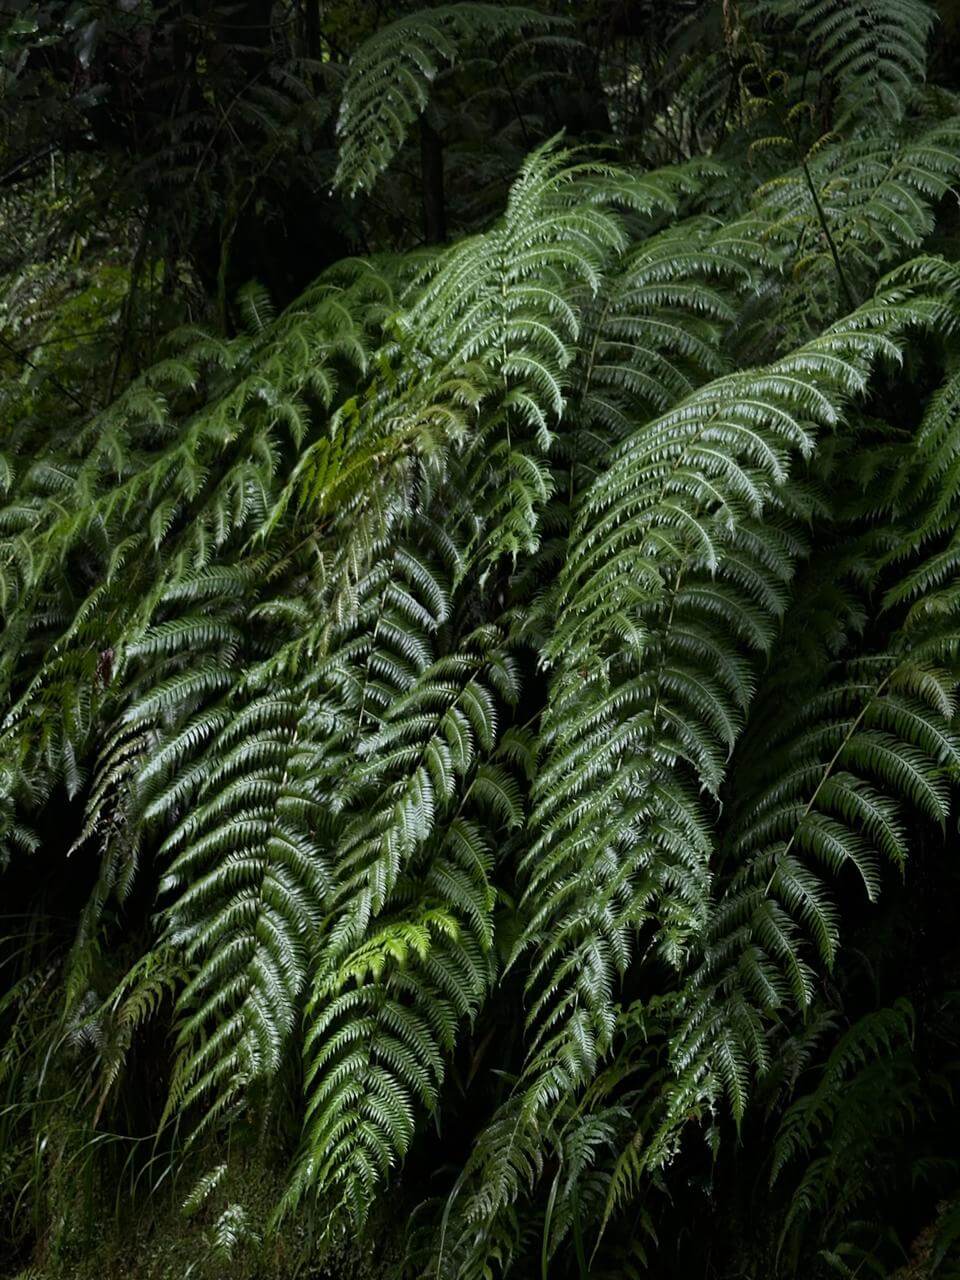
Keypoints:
pixel 875 54
pixel 388 83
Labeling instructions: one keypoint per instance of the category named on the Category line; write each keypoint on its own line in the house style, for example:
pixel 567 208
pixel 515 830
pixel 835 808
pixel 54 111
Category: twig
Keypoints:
pixel 43 372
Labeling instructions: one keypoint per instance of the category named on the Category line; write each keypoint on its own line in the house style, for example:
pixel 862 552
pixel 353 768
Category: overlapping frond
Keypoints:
pixel 669 582
pixel 852 209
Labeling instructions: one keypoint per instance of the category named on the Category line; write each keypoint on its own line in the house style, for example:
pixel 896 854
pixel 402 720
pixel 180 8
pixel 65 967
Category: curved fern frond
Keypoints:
pixel 250 878
pixel 388 83
pixel 875 54
pixel 667 577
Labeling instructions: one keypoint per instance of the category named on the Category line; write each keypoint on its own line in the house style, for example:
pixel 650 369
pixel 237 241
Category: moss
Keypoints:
pixel 230 1232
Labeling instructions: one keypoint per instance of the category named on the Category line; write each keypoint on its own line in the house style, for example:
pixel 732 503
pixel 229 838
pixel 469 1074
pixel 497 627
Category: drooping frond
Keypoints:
pixel 388 83
pixel 840 780
pixel 383 1016
pixel 249 875
pixel 873 51
pixel 669 578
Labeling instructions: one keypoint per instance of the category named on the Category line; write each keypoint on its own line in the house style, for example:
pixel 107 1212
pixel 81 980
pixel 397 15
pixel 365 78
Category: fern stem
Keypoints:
pixel 790 132
pixel 821 214
pixel 828 769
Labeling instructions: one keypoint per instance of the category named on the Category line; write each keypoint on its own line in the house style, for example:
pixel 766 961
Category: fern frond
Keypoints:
pixel 388 83
pixel 875 54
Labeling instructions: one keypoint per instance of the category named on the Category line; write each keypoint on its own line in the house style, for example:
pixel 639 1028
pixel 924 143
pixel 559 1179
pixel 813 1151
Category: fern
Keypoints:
pixel 485 701
pixel 874 54
pixel 388 83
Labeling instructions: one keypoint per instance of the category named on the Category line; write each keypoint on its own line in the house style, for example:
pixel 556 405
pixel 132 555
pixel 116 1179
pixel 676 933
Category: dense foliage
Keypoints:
pixel 479 557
